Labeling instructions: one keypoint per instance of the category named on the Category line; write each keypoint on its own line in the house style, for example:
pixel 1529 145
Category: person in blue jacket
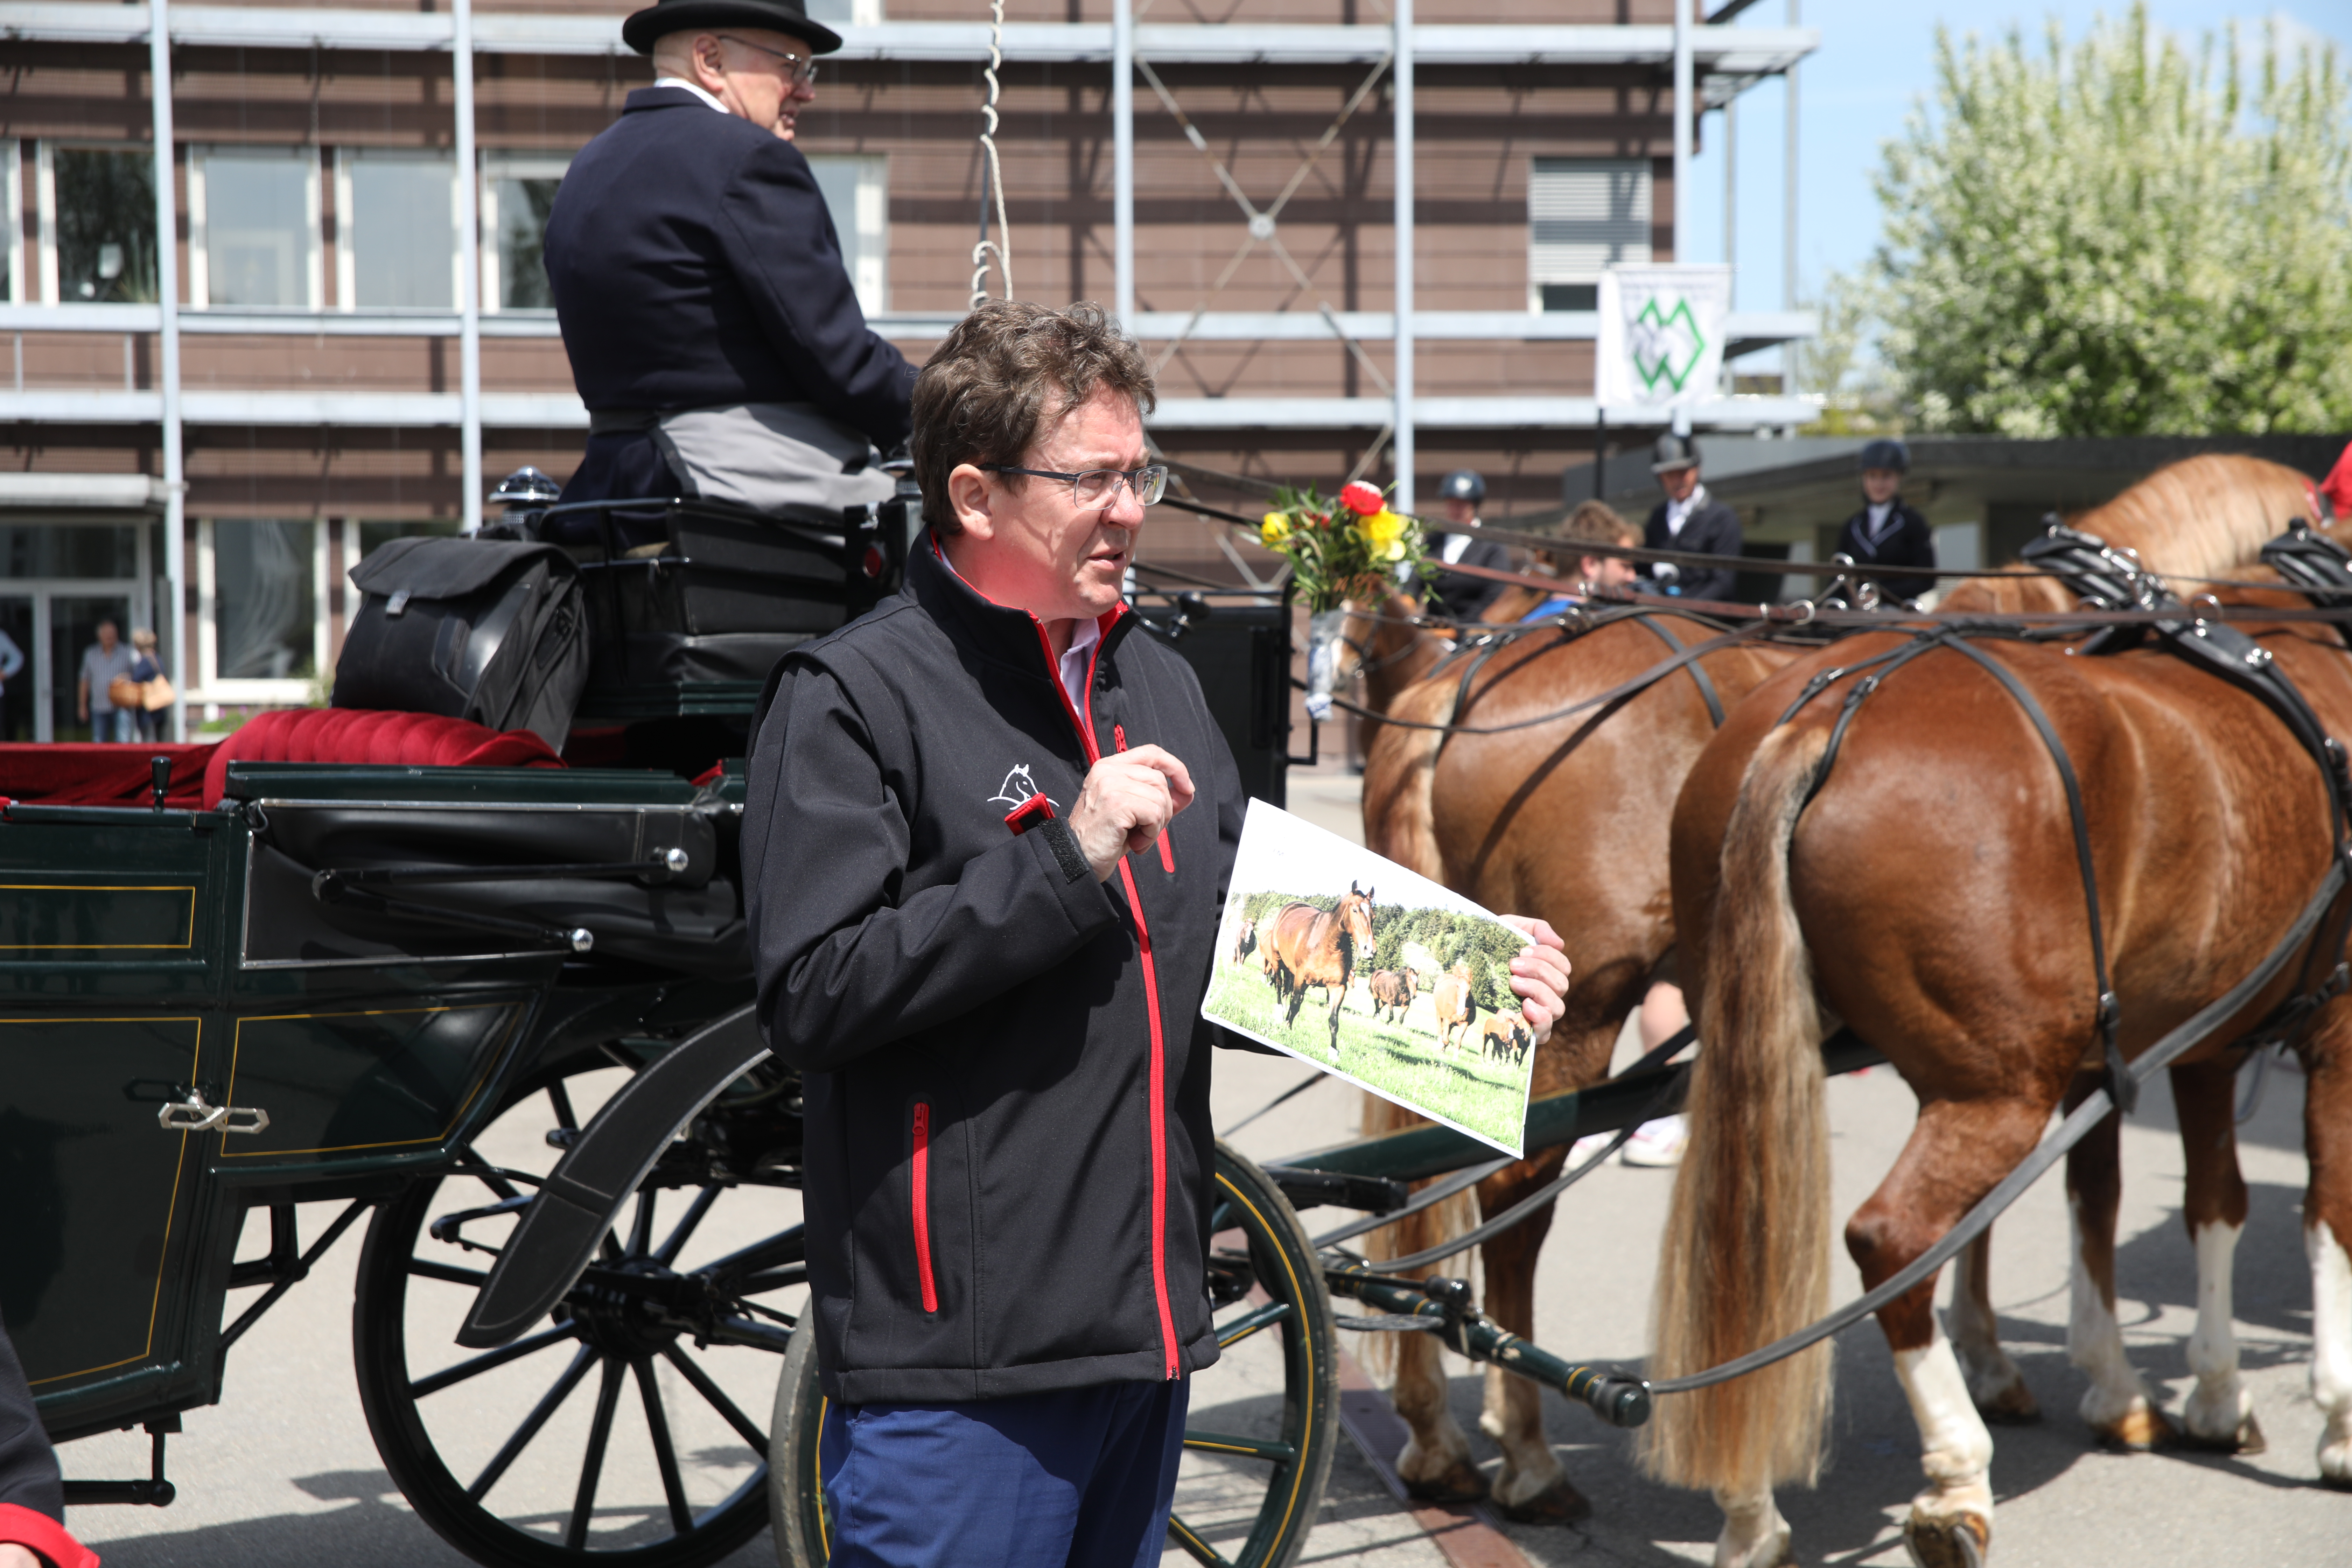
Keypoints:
pixel 712 328
pixel 1888 530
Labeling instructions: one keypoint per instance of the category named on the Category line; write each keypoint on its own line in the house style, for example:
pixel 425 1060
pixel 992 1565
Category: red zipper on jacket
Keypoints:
pixel 1167 852
pixel 922 1206
pixel 1085 728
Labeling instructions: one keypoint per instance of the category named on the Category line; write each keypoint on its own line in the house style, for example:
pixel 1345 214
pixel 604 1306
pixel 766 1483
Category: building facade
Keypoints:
pixel 358 340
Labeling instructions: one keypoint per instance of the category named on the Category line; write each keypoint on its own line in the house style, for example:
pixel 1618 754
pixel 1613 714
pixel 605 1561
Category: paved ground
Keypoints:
pixel 283 1473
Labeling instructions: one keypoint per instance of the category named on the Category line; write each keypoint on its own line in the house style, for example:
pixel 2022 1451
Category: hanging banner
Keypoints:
pixel 1661 331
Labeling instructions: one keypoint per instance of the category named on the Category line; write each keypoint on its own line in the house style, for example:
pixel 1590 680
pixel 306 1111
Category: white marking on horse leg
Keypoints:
pixel 1516 1423
pixel 2219 1406
pixel 1956 1451
pixel 2117 1405
pixel 2331 1350
pixel 1754 1533
pixel 1994 1382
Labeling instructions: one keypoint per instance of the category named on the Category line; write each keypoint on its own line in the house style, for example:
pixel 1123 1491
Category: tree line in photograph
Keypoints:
pixel 1450 934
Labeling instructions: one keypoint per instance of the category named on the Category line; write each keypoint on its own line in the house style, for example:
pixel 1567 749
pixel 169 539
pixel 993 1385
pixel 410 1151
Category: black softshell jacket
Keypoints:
pixel 1006 1073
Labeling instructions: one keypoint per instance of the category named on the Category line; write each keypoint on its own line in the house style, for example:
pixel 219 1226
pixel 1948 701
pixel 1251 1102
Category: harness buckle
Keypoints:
pixel 2122 1088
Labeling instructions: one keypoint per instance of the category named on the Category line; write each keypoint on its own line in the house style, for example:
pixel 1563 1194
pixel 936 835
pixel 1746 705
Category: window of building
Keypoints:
pixel 850 13
pixel 12 287
pixel 97 224
pixel 397 217
pixel 253 226
pixel 257 589
pixel 858 194
pixel 1583 214
pixel 518 193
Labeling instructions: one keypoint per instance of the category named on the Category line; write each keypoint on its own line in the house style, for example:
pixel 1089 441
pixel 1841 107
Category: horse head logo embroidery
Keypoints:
pixel 1017 788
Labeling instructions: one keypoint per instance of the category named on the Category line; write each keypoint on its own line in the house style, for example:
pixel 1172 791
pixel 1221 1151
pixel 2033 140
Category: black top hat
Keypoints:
pixel 641 31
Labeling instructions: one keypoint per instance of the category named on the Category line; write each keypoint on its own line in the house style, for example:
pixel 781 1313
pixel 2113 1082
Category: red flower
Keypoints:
pixel 1361 498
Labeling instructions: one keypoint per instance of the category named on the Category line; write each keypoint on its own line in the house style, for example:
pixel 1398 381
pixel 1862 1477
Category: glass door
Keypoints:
pixel 19 647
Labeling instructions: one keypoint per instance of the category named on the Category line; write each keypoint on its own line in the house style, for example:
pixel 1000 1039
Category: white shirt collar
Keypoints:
pixel 1881 518
pixel 1455 547
pixel 1678 512
pixel 679 81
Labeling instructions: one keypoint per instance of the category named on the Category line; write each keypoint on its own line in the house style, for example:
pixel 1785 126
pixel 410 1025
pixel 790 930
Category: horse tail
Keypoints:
pixel 1443 1220
pixel 1745 1257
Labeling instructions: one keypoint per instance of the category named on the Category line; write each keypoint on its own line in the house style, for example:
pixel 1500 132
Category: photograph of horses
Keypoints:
pixel 1330 953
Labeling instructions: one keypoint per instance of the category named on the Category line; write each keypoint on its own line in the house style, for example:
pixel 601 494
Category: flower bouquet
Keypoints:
pixel 1354 548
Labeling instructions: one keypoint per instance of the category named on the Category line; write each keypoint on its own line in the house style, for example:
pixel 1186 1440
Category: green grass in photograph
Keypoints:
pixel 1473 1091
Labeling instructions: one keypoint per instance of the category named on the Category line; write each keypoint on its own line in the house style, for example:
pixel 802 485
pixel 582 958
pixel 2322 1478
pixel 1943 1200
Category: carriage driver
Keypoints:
pixel 987 837
pixel 712 329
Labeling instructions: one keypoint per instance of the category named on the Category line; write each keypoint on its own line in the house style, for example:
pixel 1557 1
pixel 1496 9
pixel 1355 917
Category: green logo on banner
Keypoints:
pixel 1664 341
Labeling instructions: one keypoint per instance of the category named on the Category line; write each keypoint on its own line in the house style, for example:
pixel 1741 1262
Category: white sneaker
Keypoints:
pixel 1658 1143
pixel 1586 1147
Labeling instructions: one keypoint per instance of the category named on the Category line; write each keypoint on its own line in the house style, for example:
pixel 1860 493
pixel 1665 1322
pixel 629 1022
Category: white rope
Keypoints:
pixel 993 173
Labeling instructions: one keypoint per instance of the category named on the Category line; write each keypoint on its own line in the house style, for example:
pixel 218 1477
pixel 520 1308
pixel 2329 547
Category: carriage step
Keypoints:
pixel 153 1492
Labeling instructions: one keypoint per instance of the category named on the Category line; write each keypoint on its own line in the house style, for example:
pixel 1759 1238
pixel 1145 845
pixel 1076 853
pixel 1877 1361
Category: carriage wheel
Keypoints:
pixel 616 1433
pixel 1263 1423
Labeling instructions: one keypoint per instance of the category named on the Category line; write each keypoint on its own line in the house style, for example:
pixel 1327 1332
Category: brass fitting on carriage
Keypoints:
pixel 1448 1307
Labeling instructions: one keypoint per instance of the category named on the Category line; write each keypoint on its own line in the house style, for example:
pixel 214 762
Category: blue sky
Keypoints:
pixel 1876 61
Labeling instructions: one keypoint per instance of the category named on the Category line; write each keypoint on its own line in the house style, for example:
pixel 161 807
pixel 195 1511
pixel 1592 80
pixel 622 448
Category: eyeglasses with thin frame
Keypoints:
pixel 1099 487
pixel 803 69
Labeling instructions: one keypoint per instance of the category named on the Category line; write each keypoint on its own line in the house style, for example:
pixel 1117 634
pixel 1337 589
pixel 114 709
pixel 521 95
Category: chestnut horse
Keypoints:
pixel 1570 821
pixel 1457 1008
pixel 1392 993
pixel 1964 956
pixel 1313 947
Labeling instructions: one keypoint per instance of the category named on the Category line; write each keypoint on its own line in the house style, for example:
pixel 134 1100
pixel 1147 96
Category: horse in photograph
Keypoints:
pixel 1504 1036
pixel 1392 991
pixel 1315 947
pixel 1570 820
pixel 1806 896
pixel 1245 940
pixel 1457 1008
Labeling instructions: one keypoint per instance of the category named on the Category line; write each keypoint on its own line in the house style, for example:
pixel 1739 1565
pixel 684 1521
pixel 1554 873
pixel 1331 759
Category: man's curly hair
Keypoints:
pixel 1000 380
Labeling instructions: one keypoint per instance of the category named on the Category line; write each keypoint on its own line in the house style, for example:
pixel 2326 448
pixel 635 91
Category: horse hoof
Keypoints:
pixel 2247 1439
pixel 1559 1503
pixel 2013 1406
pixel 2139 1431
pixel 1460 1482
pixel 1958 1542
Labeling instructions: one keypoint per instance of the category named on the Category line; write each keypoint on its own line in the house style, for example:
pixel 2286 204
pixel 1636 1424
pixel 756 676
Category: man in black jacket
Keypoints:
pixel 988 838
pixel 712 329
pixel 32 1498
pixel 1689 519
pixel 1888 531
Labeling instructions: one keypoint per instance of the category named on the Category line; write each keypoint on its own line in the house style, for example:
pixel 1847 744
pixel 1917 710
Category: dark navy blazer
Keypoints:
pixel 694 265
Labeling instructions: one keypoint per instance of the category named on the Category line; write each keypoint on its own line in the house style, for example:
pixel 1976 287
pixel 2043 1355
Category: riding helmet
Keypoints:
pixel 1674 452
pixel 1884 453
pixel 1462 484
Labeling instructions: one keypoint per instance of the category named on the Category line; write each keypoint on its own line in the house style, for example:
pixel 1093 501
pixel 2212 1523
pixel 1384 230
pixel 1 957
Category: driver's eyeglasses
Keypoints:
pixel 798 69
pixel 1099 487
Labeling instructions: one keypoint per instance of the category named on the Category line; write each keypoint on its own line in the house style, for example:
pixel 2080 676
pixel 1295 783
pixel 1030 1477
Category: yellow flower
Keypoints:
pixel 1384 528
pixel 1395 551
pixel 1274 529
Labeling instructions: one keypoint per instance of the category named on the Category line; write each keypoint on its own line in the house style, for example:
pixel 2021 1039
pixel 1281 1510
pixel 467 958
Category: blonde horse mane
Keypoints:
pixel 2202 517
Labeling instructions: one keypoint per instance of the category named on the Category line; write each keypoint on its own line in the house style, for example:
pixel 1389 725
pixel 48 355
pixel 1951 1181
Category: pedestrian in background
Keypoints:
pixel 1888 531
pixel 1690 519
pixel 101 661
pixel 147 672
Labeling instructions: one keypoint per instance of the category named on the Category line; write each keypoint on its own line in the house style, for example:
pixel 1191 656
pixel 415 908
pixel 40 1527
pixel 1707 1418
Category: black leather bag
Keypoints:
pixel 486 630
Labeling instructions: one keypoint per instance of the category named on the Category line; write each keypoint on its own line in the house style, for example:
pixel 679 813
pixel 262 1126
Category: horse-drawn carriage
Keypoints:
pixel 497 1007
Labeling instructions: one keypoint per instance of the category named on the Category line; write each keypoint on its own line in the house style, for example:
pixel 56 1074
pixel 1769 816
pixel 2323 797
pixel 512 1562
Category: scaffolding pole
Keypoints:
pixel 1122 124
pixel 167 294
pixel 469 269
pixel 1402 77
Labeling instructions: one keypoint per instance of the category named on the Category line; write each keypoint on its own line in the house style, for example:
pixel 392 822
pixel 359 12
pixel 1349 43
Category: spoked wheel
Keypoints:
pixel 1259 1436
pixel 616 1433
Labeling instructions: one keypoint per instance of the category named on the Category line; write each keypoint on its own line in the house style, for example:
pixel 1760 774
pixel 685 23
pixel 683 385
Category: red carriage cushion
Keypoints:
pixel 75 774
pixel 365 735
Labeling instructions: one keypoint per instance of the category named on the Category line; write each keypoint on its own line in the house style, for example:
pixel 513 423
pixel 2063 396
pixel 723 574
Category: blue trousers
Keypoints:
pixel 1084 1477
